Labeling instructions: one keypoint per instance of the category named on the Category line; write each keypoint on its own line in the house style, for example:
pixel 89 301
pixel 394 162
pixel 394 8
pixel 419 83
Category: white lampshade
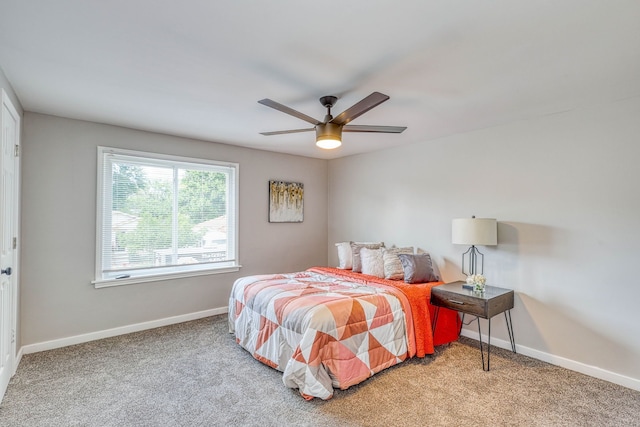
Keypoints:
pixel 474 231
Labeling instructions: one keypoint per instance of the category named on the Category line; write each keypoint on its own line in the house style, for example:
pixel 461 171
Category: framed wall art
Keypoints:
pixel 286 201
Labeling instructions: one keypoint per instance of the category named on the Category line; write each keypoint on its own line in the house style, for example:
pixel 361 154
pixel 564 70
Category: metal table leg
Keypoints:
pixel 486 367
pixel 512 338
pixel 435 321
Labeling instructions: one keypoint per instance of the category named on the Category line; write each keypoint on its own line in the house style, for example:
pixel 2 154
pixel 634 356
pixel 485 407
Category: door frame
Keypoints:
pixel 15 276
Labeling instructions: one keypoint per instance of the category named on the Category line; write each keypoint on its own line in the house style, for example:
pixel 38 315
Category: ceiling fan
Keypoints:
pixel 329 131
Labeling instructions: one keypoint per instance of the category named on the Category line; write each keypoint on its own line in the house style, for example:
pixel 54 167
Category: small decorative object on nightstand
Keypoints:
pixel 485 304
pixel 475 282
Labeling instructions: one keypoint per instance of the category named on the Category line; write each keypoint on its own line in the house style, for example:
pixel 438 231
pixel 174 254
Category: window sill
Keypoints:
pixel 106 283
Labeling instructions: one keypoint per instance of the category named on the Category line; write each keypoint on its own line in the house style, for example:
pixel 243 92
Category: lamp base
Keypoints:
pixel 472 261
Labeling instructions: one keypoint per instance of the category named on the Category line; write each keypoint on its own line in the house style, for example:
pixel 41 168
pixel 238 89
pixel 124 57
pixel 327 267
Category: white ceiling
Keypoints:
pixel 197 68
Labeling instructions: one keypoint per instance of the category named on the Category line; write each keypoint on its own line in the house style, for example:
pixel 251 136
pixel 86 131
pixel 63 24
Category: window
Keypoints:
pixel 163 216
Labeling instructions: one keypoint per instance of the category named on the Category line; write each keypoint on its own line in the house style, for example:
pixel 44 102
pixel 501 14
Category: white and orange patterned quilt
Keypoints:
pixel 322 331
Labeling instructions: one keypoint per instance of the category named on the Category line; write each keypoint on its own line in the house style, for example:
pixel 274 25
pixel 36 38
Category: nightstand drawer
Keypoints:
pixel 486 304
pixel 461 303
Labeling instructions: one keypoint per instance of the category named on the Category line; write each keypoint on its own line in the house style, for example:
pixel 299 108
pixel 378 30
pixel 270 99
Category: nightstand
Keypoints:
pixel 487 304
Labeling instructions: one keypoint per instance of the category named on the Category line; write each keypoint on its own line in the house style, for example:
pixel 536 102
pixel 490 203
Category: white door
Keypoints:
pixel 10 125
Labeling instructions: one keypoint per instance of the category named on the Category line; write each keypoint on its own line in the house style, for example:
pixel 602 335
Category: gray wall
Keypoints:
pixel 58 221
pixel 565 190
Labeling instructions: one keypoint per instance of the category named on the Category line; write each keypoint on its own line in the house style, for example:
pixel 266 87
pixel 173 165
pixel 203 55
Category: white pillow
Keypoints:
pixel 355 253
pixel 372 262
pixel 344 255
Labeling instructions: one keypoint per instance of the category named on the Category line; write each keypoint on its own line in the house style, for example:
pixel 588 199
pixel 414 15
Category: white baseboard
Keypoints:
pixel 592 371
pixel 79 339
pixel 18 359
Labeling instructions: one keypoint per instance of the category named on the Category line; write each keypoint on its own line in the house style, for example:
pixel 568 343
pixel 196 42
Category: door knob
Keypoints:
pixel 7 271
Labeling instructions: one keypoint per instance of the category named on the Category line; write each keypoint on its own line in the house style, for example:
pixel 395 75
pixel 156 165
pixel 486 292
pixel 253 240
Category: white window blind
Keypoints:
pixel 161 214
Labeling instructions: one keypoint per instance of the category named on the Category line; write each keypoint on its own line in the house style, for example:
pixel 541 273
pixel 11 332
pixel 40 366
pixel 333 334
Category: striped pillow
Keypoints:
pixel 392 266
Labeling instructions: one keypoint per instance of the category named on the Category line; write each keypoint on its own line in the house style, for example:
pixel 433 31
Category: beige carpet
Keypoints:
pixel 194 374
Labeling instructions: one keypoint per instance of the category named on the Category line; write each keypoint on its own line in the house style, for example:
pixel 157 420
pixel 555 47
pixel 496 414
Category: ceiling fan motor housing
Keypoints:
pixel 328 135
pixel 328 131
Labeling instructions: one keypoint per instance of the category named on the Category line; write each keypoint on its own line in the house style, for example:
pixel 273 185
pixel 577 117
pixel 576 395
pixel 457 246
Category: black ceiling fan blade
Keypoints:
pixel 367 128
pixel 282 132
pixel 359 108
pixel 290 111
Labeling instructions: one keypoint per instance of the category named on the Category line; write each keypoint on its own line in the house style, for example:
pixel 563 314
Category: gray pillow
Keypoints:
pixel 417 268
pixel 436 270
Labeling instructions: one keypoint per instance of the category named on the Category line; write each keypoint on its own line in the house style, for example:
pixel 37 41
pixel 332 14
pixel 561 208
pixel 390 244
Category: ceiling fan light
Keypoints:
pixel 328 136
pixel 328 144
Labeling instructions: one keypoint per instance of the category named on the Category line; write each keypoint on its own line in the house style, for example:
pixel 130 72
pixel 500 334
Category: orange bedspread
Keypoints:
pixel 419 296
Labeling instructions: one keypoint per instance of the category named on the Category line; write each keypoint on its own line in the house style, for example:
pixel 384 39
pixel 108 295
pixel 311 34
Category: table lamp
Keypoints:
pixel 474 231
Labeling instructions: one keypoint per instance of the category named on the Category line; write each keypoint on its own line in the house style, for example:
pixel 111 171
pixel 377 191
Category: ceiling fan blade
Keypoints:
pixel 367 128
pixel 282 132
pixel 358 109
pixel 290 111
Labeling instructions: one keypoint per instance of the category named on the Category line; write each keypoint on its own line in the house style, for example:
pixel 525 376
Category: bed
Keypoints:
pixel 327 328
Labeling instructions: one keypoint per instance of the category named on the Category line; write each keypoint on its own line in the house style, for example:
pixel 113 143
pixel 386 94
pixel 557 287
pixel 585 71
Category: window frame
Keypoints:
pixel 171 272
